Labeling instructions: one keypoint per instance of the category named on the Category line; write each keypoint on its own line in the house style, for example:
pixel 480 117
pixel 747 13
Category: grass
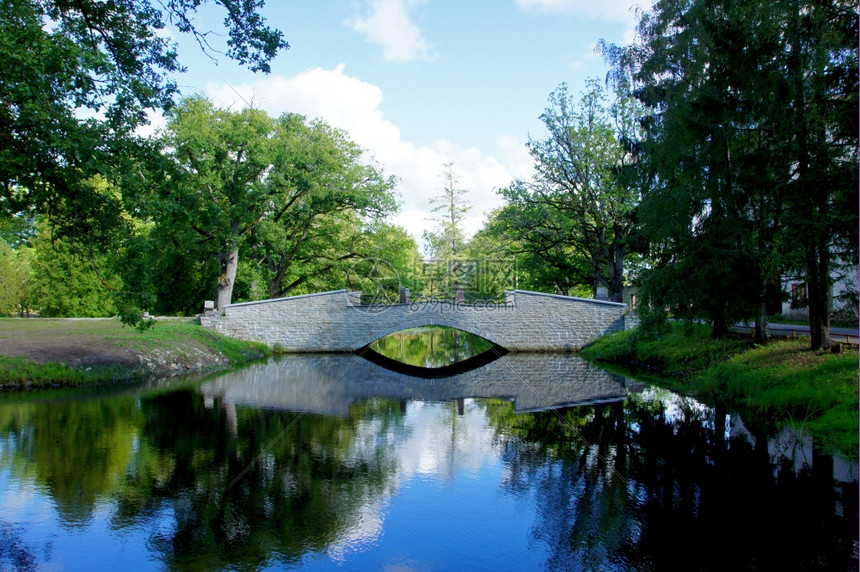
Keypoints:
pixel 782 381
pixel 108 348
pixel 20 371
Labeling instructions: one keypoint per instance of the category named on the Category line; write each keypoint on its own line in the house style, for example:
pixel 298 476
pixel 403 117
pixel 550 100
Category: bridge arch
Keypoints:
pixel 421 322
pixel 333 322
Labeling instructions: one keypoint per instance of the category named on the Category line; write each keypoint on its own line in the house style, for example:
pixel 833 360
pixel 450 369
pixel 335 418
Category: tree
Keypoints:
pixel 819 89
pixel 15 275
pixel 444 245
pixel 326 197
pixel 583 196
pixel 68 281
pixel 78 78
pixel 280 190
pixel 218 189
pixel 755 151
pixel 539 245
pixel 448 240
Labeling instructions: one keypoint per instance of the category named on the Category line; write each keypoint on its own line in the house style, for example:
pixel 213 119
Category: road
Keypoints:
pixel 841 335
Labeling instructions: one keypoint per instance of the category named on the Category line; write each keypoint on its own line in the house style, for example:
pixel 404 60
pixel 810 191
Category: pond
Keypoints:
pixel 321 462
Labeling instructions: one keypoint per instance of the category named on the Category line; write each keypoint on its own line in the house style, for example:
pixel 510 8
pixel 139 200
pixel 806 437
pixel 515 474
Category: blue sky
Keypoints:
pixel 418 83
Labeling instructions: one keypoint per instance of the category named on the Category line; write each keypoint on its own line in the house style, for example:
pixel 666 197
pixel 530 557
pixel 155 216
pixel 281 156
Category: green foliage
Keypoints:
pixel 78 78
pixel 448 240
pixel 68 282
pixel 290 199
pixel 15 273
pixel 577 213
pixel 753 109
pixel 782 380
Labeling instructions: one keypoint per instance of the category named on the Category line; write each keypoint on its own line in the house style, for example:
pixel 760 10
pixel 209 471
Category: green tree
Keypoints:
pixel 735 205
pixel 68 281
pixel 451 206
pixel 286 195
pixel 219 188
pixel 387 260
pixel 583 196
pixel 444 245
pixel 77 79
pixel 15 275
pixel 326 197
pixel 819 89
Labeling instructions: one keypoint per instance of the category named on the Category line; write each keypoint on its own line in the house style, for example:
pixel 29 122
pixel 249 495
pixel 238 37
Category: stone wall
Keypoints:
pixel 331 322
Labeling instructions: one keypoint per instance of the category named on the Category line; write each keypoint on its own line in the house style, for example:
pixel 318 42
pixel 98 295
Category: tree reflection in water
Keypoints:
pixel 654 482
pixel 431 346
pixel 656 486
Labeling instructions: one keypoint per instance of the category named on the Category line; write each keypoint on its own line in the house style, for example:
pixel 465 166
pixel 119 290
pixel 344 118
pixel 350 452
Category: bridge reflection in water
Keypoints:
pixel 327 383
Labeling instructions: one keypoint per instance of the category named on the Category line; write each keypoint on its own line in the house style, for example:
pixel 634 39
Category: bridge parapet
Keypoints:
pixel 330 322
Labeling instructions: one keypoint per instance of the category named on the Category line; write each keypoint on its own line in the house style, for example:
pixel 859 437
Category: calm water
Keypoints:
pixel 327 462
pixel 431 347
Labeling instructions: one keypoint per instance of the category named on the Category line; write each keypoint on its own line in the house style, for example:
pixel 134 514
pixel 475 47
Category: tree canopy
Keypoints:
pixel 78 77
pixel 753 137
pixel 581 202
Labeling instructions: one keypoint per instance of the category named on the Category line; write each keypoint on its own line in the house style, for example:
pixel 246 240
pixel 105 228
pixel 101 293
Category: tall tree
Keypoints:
pixel 326 197
pixel 450 207
pixel 76 80
pixel 279 190
pixel 583 196
pixel 223 159
pixel 730 137
pixel 818 120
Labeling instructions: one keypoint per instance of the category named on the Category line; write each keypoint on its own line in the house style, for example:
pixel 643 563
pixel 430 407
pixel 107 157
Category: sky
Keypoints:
pixel 421 83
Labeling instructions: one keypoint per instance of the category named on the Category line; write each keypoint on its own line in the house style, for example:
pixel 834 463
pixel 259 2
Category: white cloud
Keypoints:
pixel 389 24
pixel 621 11
pixel 353 105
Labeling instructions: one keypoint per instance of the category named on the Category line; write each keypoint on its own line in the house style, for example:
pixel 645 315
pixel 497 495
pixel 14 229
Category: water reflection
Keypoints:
pixel 323 462
pixel 328 383
pixel 431 346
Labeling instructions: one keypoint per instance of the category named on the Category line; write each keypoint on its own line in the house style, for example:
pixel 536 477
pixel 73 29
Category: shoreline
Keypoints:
pixel 782 382
pixel 73 352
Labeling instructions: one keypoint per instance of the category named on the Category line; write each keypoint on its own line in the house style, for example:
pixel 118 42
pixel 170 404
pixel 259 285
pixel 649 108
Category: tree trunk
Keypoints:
pixel 762 334
pixel 718 317
pixel 616 274
pixel 229 264
pixel 818 296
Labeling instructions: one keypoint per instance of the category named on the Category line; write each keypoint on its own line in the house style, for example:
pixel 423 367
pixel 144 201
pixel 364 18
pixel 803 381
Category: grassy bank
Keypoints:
pixel 73 352
pixel 782 381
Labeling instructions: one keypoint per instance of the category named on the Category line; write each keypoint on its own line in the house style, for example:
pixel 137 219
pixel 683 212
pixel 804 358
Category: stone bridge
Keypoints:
pixel 337 322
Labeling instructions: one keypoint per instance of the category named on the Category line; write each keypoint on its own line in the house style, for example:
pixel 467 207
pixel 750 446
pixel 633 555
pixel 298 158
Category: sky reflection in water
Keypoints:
pixel 480 471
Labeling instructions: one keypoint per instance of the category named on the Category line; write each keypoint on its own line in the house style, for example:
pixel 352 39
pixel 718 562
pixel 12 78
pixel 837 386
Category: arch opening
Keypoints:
pixel 431 350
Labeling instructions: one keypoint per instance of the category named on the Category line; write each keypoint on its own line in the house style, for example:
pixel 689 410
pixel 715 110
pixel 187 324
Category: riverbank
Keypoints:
pixel 42 352
pixel 782 382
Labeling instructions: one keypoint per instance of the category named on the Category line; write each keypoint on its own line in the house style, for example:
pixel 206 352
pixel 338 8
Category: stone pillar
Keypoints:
pixel 404 295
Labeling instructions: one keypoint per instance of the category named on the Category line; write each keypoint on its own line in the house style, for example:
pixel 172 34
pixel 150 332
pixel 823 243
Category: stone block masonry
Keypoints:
pixel 334 322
